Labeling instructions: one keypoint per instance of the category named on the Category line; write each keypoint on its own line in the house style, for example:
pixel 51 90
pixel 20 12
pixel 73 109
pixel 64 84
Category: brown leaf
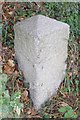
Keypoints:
pixel 22 18
pixel 16 73
pixel 29 111
pixel 24 96
pixel 34 112
pixel 37 116
pixel 63 104
pixel 11 63
pixel 25 93
pixel 8 69
pixel 10 13
pixel 70 74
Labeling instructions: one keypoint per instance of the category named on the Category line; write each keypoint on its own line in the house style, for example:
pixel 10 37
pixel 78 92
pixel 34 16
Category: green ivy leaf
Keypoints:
pixel 75 116
pixel 4 111
pixel 62 109
pixel 1 101
pixel 16 96
pixel 46 116
pixel 3 78
pixel 20 105
pixel 68 107
pixel 69 114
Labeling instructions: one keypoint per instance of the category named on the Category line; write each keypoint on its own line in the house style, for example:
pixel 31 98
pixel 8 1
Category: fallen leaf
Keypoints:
pixel 70 74
pixel 25 93
pixel 37 116
pixel 75 113
pixel 16 73
pixel 11 63
pixel 34 112
pixel 63 104
pixel 22 18
pixel 8 69
pixel 10 13
pixel 24 96
pixel 29 111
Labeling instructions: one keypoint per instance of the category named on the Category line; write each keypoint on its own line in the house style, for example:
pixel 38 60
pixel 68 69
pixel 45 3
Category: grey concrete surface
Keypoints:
pixel 41 50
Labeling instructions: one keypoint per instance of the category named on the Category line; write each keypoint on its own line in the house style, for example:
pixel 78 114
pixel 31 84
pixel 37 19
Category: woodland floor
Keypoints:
pixel 67 93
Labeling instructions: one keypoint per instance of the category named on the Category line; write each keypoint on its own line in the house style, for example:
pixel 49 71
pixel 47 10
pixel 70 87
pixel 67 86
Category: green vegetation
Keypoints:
pixel 69 91
pixel 68 112
pixel 10 106
pixel 66 12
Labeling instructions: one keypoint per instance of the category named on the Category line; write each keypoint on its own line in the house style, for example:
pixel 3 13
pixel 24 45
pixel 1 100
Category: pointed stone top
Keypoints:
pixel 40 25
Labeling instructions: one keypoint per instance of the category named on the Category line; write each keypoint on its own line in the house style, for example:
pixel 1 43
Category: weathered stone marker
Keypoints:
pixel 41 51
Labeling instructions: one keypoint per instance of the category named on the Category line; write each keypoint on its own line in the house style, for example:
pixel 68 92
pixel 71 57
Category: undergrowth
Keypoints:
pixel 70 87
pixel 10 106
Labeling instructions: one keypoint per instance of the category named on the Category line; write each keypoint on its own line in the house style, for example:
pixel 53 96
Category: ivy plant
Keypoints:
pixel 10 106
pixel 68 112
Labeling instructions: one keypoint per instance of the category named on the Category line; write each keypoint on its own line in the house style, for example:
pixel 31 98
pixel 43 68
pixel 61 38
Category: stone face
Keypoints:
pixel 41 50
